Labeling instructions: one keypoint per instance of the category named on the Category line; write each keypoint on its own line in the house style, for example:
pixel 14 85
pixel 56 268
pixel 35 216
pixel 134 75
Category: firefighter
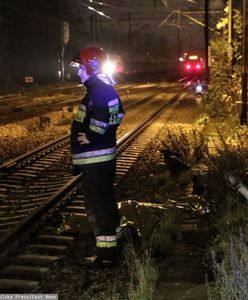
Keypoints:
pixel 93 147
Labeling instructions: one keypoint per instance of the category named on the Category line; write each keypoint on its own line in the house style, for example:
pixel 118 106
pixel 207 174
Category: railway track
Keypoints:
pixel 30 245
pixel 29 108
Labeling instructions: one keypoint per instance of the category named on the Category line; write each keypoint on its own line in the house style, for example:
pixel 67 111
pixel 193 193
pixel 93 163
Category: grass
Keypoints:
pixel 229 216
pixel 161 239
pixel 140 264
pixel 231 274
pixel 143 273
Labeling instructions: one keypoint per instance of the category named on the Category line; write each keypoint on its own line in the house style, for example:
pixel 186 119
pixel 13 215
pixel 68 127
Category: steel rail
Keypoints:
pixel 13 163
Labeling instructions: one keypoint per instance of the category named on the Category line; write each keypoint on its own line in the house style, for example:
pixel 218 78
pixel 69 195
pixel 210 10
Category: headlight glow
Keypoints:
pixel 109 67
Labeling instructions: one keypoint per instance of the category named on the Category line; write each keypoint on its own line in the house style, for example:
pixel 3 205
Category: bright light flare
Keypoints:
pixel 99 3
pixel 198 89
pixel 98 12
pixel 95 10
pixel 193 57
pixel 109 67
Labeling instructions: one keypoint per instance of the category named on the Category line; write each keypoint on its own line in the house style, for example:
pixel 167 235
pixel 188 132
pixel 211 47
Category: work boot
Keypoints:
pixel 96 262
pixel 103 257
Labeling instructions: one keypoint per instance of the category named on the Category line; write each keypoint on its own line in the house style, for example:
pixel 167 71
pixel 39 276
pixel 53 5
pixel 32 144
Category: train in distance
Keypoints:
pixel 192 64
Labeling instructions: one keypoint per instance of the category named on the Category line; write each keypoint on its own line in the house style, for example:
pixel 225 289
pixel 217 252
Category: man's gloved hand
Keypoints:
pixel 75 170
pixel 82 139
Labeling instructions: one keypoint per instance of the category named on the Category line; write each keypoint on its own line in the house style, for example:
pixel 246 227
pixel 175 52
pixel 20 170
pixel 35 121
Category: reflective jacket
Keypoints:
pixel 100 113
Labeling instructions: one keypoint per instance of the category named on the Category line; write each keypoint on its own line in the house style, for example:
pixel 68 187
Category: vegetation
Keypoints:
pixel 229 218
pixel 188 141
pixel 225 69
pixel 231 280
pixel 144 276
pixel 231 157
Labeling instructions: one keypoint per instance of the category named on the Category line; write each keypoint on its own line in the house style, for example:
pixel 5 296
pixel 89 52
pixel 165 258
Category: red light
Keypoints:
pixel 188 67
pixel 198 66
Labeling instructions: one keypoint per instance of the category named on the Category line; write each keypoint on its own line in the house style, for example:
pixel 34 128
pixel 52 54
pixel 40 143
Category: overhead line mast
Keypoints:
pixel 243 116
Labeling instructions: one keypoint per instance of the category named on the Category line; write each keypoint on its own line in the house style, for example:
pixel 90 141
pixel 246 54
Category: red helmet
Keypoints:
pixel 92 58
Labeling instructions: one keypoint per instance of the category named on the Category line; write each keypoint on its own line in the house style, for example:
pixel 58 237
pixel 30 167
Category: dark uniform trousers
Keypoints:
pixel 101 207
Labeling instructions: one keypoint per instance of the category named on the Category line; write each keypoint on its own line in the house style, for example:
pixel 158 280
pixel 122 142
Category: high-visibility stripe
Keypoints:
pixel 106 238
pixel 98 126
pixel 98 123
pixel 80 116
pixel 113 102
pixel 106 244
pixel 93 160
pixel 97 129
pixel 114 109
pixel 113 105
pixel 106 241
pixel 92 153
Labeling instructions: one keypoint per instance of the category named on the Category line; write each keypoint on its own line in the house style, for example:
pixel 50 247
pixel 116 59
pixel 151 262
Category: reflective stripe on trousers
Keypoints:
pixel 107 241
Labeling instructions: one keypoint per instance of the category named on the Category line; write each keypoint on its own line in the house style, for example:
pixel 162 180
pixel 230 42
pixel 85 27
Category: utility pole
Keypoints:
pixel 230 21
pixel 64 39
pixel 92 27
pixel 65 36
pixel 178 34
pixel 129 32
pixel 96 28
pixel 206 41
pixel 62 53
pixel 243 115
pixel 230 32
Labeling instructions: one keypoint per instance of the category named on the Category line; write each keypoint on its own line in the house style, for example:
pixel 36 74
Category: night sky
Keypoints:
pixel 31 32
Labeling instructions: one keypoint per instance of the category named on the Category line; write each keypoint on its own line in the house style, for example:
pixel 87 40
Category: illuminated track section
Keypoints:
pixel 19 108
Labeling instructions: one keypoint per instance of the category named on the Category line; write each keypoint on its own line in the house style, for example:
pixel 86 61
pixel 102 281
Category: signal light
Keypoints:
pixel 192 67
pixel 198 89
